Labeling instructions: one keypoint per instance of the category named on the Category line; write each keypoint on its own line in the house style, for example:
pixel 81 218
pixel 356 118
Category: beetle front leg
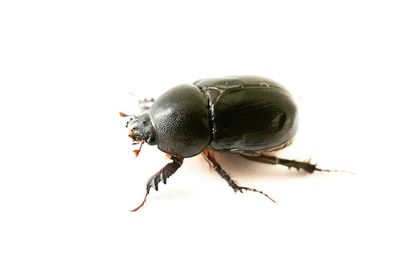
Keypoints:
pixel 217 167
pixel 161 175
pixel 144 104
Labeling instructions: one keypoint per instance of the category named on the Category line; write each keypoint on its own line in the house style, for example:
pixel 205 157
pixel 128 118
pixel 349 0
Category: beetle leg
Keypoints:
pixel 161 175
pixel 143 104
pixel 304 165
pixel 217 167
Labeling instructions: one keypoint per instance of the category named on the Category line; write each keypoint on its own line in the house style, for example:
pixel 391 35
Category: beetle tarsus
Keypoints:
pixel 334 170
pixel 162 175
pixel 140 205
pixel 240 188
pixel 217 167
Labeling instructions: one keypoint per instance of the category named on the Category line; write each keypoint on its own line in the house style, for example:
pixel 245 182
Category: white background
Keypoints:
pixel 67 174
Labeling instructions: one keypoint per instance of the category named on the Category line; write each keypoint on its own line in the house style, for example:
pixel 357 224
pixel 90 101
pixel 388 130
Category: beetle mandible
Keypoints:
pixel 246 115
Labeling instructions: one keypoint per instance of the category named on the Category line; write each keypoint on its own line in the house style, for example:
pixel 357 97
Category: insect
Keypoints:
pixel 246 115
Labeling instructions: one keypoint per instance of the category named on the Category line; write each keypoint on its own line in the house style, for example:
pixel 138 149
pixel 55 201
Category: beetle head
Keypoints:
pixel 141 130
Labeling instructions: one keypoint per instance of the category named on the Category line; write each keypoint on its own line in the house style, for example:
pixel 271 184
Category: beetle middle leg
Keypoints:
pixel 217 167
pixel 162 175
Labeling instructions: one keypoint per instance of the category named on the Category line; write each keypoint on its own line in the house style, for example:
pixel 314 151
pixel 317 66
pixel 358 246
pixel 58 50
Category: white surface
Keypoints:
pixel 67 175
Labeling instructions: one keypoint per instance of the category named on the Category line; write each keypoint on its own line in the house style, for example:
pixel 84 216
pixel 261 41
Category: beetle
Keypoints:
pixel 247 115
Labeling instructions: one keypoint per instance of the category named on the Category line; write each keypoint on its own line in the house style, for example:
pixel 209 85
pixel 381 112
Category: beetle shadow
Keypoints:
pixel 239 167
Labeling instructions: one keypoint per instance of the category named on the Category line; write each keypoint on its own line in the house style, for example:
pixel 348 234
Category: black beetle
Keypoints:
pixel 247 115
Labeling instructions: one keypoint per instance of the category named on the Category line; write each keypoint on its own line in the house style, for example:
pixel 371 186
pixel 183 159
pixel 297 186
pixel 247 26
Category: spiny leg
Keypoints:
pixel 217 167
pixel 304 165
pixel 161 175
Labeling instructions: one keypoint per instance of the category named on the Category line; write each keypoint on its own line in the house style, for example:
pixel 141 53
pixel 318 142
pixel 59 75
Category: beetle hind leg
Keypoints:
pixel 162 175
pixel 217 167
pixel 299 165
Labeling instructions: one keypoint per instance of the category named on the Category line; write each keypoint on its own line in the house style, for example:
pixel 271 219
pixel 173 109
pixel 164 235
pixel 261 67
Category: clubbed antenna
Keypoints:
pixel 121 114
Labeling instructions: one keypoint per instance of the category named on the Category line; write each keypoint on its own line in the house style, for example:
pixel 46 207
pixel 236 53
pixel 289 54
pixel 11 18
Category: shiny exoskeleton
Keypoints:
pixel 247 115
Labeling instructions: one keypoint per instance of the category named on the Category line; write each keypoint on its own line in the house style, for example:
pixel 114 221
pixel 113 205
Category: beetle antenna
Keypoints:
pixel 125 115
